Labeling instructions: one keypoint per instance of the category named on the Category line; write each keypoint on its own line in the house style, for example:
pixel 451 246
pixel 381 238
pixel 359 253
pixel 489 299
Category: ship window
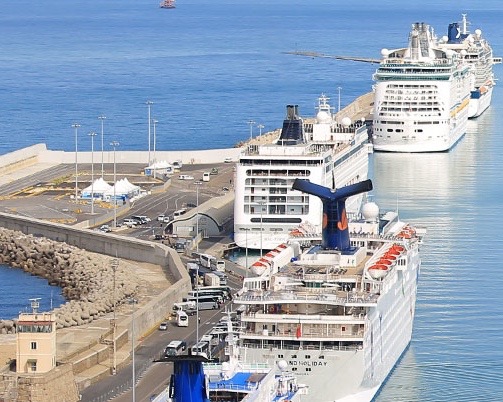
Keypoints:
pixel 33 345
pixel 294 368
pixel 308 369
pixel 308 356
pixel 294 356
pixel 280 356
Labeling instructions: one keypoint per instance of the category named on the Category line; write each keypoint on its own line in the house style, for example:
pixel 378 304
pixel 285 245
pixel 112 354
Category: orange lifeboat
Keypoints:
pixel 378 271
pixel 384 261
pixel 398 248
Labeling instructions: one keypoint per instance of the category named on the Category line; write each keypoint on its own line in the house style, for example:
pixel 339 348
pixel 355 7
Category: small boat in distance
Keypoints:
pixel 167 4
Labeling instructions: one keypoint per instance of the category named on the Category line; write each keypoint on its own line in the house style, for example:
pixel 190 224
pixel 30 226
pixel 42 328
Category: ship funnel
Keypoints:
pixel 188 381
pixel 335 233
pixel 292 132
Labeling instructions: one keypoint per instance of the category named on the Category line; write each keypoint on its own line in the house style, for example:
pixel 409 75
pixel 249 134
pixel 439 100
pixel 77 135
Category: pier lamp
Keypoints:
pixel 154 123
pixel 114 264
pixel 115 144
pixel 260 127
pixel 149 104
pixel 92 134
pixel 76 127
pixel 339 102
pixel 102 118
pixel 251 123
pixel 133 302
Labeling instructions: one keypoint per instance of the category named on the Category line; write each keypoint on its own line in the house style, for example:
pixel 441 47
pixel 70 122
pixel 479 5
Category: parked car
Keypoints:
pixel 105 228
pixel 160 218
pixel 228 159
pixel 130 223
pixel 214 171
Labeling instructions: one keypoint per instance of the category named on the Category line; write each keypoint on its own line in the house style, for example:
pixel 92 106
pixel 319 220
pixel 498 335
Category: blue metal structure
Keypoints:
pixel 335 234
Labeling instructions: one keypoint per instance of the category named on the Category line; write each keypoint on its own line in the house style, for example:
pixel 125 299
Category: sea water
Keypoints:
pixel 210 67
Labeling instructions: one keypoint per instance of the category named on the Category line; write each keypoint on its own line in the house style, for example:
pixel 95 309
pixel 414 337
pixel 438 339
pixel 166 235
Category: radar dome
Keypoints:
pixel 323 117
pixel 346 121
pixel 384 52
pixel 445 38
pixel 478 32
pixel 282 365
pixel 463 52
pixel 370 211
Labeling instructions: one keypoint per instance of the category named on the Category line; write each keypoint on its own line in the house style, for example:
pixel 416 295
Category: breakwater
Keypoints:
pixel 86 280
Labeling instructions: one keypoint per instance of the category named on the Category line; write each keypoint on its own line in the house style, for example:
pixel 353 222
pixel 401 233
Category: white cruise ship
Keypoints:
pixel 475 50
pixel 324 151
pixel 341 312
pixel 422 95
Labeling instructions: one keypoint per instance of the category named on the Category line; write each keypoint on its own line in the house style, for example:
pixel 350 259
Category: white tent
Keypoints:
pixel 122 189
pixel 161 167
pixel 98 188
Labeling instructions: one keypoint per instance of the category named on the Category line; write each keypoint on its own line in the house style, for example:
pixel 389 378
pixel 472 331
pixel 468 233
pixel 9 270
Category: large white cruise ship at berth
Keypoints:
pixel 475 50
pixel 325 151
pixel 422 95
pixel 341 312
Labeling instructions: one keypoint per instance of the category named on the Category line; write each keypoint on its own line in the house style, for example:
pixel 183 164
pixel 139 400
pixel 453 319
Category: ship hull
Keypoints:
pixel 480 103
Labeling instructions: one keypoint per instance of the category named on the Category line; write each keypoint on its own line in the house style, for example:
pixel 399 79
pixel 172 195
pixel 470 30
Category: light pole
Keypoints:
pixel 339 103
pixel 133 302
pixel 154 122
pixel 149 104
pixel 197 183
pixel 76 127
pixel 115 265
pixel 260 127
pixel 92 134
pixel 115 144
pixel 251 123
pixel 102 118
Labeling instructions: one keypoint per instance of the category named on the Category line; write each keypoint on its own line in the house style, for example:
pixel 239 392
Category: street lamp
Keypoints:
pixel 154 122
pixel 133 302
pixel 197 304
pixel 102 118
pixel 260 127
pixel 76 127
pixel 92 134
pixel 149 104
pixel 115 144
pixel 197 183
pixel 114 264
pixel 251 123
pixel 339 103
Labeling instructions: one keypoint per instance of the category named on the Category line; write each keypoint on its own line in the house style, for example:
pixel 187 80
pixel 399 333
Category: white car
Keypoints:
pixel 161 218
pixel 130 223
pixel 228 159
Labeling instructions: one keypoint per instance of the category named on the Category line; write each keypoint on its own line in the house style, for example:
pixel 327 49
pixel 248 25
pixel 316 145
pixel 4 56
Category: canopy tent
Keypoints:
pixel 98 188
pixel 122 189
pixel 161 167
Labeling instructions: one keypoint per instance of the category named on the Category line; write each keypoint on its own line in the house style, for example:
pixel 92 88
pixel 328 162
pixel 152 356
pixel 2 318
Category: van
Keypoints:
pixel 179 212
pixel 130 223
pixel 182 319
pixel 175 348
pixel 201 348
pixel 206 176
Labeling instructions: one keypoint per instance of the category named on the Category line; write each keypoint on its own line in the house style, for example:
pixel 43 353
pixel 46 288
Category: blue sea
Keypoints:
pixel 210 67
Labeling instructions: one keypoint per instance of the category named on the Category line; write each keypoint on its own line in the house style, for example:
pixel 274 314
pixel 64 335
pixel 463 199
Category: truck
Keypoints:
pixel 210 279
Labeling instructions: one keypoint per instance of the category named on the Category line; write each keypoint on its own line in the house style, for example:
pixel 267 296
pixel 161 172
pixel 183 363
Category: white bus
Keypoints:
pixel 201 348
pixel 182 319
pixel 175 348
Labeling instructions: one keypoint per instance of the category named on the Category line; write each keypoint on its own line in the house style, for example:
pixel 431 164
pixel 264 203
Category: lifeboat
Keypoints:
pixel 398 248
pixel 378 271
pixel 283 245
pixel 384 261
pixel 389 257
pixel 392 251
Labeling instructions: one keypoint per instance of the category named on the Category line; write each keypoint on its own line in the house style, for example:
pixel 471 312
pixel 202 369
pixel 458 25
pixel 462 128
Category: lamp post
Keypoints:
pixel 133 302
pixel 154 122
pixel 76 127
pixel 102 118
pixel 260 127
pixel 115 265
pixel 149 104
pixel 197 304
pixel 339 103
pixel 251 123
pixel 92 134
pixel 115 144
pixel 197 183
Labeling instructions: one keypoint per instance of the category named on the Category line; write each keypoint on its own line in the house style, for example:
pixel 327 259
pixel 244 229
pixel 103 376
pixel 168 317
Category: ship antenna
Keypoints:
pixel 335 232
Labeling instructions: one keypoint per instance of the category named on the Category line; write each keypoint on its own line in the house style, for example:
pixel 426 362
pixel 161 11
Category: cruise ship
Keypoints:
pixel 322 150
pixel 422 96
pixel 475 50
pixel 340 312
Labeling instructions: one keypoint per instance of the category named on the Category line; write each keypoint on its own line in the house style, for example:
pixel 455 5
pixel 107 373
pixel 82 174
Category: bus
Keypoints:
pixel 207 260
pixel 184 306
pixel 206 302
pixel 219 295
pixel 201 348
pixel 223 288
pixel 175 348
pixel 182 319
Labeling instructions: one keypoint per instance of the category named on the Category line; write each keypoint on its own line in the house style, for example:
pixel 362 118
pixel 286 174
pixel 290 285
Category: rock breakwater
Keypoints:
pixel 86 279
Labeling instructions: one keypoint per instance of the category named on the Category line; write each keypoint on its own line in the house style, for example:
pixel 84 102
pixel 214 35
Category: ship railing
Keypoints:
pixel 322 298
pixel 291 335
pixel 253 345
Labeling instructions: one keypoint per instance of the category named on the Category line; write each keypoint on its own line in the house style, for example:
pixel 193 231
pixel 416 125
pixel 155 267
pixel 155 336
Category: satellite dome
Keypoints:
pixel 370 211
pixel 445 38
pixel 346 121
pixel 282 365
pixel 384 52
pixel 323 117
pixel 463 52
pixel 478 32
